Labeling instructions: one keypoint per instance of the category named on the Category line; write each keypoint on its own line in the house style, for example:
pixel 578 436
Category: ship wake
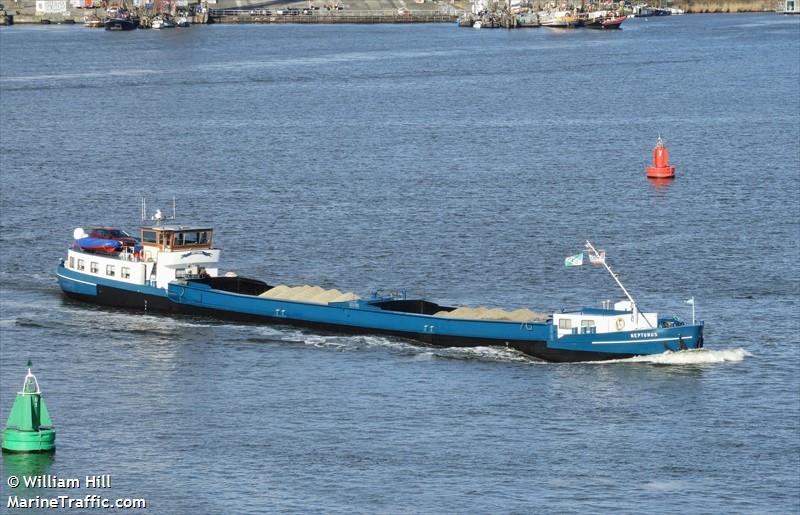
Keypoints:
pixel 687 357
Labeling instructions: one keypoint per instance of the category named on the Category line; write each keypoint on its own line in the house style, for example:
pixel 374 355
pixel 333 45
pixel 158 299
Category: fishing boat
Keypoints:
pixel 120 19
pixel 177 270
pixel 182 21
pixel 162 22
pixel 560 19
pixel 603 20
pixel 612 22
pixel 93 22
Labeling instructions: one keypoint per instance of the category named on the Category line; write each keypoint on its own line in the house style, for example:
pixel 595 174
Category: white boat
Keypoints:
pixel 183 21
pixel 559 19
pixel 478 24
pixel 162 23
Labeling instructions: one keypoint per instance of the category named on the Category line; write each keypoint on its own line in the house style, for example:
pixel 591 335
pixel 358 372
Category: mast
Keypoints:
pixel 593 250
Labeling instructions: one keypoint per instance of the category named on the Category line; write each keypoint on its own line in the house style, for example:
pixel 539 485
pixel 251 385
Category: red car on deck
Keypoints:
pixel 105 233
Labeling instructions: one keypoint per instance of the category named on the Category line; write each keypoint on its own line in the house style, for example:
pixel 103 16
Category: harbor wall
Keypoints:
pixel 727 6
pixel 71 17
pixel 361 18
pixel 25 15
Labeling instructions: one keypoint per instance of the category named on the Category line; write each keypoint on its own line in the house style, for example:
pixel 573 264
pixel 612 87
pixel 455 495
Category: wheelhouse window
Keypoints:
pixel 71 262
pixel 93 267
pixel 565 323
pixel 81 264
pixel 191 239
pixel 588 326
pixel 125 272
pixel 150 237
pixel 180 273
pixel 110 270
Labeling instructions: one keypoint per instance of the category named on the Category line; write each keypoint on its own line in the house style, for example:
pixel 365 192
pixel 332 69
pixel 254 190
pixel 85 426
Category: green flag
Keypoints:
pixel 576 260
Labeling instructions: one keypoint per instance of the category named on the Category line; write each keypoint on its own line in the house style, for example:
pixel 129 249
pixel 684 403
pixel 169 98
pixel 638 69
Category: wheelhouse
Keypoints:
pixel 177 238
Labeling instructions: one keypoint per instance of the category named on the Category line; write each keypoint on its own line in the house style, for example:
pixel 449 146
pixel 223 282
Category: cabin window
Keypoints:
pixel 81 265
pixel 71 262
pixel 587 326
pixel 190 238
pixel 110 270
pixel 93 267
pixel 565 323
pixel 125 272
pixel 149 237
pixel 180 273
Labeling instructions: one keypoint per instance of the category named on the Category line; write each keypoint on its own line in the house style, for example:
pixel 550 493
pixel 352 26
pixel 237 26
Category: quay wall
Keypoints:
pixel 336 18
pixel 727 6
pixel 76 18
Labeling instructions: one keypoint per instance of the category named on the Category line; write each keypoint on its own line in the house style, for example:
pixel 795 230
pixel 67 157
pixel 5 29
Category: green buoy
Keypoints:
pixel 29 428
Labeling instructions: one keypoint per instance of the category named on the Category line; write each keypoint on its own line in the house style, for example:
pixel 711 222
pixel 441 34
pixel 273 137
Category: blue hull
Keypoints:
pixel 237 299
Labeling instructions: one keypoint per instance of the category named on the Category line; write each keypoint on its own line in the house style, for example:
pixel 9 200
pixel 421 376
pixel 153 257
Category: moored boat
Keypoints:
pixel 612 22
pixel 603 20
pixel 176 270
pixel 162 22
pixel 121 21
pixel 560 19
pixel 93 22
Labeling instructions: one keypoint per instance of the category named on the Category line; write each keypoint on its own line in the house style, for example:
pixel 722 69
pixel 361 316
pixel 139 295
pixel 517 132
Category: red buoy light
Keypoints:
pixel 661 168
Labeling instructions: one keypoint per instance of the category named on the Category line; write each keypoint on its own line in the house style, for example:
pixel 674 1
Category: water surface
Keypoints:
pixel 462 165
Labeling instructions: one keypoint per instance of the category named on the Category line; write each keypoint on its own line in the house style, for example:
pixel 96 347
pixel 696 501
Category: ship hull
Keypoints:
pixel 118 24
pixel 411 319
pixel 612 23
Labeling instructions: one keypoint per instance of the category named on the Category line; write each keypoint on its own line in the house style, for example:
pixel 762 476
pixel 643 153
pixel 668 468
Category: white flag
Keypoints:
pixel 597 257
pixel 690 301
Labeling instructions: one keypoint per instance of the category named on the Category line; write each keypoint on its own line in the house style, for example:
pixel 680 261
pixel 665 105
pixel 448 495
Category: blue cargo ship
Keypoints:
pixel 175 269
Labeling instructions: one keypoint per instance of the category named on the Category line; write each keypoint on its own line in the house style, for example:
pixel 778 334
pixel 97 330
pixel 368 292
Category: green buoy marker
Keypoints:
pixel 29 428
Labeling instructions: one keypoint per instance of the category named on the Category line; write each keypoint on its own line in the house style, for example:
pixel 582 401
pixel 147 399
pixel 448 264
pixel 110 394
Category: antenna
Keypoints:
pixel 616 278
pixel 158 216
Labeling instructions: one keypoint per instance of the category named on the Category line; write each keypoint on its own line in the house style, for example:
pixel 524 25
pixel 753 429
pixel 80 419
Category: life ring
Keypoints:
pixel 620 324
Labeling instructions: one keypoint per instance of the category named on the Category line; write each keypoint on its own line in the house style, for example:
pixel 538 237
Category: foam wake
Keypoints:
pixel 502 354
pixel 687 357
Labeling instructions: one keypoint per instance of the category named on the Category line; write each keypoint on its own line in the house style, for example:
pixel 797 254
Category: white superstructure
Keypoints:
pixel 598 321
pixel 164 253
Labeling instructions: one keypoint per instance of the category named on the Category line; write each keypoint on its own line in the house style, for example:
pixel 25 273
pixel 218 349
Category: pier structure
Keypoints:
pixel 345 16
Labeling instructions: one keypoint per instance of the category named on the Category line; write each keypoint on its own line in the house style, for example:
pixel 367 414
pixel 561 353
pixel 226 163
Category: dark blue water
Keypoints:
pixel 462 165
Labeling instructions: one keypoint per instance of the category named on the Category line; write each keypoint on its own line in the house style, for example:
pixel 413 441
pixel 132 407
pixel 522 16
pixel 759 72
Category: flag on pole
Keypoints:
pixel 690 301
pixel 597 257
pixel 576 260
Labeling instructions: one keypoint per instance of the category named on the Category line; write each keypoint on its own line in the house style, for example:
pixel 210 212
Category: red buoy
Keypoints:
pixel 661 168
